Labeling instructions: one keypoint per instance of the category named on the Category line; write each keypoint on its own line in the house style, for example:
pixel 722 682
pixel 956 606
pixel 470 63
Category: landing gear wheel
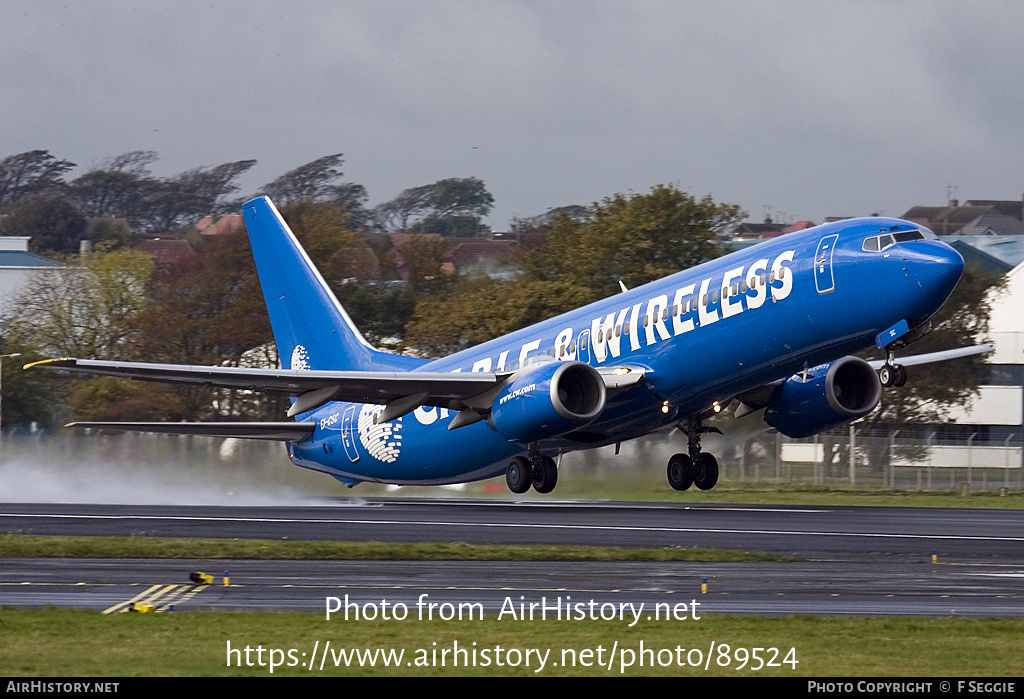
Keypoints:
pixel 519 475
pixel 705 471
pixel 892 375
pixel 680 471
pixel 901 376
pixel 545 475
pixel 887 375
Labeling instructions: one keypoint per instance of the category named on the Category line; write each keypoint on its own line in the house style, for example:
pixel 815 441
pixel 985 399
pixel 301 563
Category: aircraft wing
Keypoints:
pixel 402 392
pixel 279 431
pixel 312 388
pixel 758 397
pixel 936 356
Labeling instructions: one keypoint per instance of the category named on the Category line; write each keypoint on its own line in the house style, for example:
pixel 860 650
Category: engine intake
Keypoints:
pixel 548 401
pixel 833 394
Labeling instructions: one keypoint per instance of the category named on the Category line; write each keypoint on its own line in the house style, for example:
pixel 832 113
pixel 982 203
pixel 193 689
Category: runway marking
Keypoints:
pixel 166 594
pixel 532 526
pixel 118 607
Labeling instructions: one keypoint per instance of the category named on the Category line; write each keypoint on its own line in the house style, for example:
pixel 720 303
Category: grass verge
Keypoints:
pixel 62 643
pixel 28 546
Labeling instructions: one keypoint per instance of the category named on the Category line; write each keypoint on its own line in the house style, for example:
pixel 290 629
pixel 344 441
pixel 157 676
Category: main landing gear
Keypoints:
pixel 534 470
pixel 696 467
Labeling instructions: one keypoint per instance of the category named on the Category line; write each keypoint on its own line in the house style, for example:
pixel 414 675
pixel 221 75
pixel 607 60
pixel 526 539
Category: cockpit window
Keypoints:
pixel 878 243
pixel 904 236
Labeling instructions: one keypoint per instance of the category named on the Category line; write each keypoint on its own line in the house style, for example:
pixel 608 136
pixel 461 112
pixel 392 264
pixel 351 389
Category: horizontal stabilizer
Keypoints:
pixel 277 431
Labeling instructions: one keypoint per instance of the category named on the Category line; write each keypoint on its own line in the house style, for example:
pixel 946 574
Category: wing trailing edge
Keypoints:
pixel 275 431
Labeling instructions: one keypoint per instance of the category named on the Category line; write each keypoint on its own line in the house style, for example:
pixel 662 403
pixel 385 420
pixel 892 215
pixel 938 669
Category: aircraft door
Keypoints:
pixel 348 434
pixel 823 278
pixel 583 347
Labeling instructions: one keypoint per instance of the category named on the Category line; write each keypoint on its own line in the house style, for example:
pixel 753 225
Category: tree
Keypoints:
pixel 117 188
pixel 28 395
pixel 323 231
pixel 488 309
pixel 52 223
pixel 206 309
pixel 396 215
pixel 89 311
pixel 177 201
pixel 314 181
pixel 424 265
pixel 633 238
pixel 460 197
pixel 452 207
pixel 32 172
pixel 456 207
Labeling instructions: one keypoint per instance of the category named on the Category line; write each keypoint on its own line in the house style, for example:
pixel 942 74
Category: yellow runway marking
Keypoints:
pixel 167 595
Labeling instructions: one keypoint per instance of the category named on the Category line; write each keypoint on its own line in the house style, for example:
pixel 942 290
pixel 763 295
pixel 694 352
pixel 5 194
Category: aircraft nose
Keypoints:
pixel 938 268
pixel 945 266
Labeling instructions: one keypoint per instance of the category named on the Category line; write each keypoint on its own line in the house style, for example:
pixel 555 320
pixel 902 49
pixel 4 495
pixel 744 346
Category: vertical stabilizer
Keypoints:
pixel 311 328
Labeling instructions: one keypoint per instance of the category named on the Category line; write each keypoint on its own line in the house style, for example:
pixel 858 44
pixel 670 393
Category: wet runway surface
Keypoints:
pixel 859 561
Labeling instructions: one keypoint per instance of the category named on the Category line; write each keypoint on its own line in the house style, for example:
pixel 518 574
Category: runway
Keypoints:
pixel 807 531
pixel 854 561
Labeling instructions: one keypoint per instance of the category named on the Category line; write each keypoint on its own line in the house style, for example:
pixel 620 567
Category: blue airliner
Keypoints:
pixel 770 328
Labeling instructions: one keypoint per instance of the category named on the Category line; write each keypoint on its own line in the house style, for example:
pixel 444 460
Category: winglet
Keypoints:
pixel 46 362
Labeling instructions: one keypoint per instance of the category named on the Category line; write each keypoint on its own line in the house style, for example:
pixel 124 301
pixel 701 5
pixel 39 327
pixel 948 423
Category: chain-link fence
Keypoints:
pixel 889 459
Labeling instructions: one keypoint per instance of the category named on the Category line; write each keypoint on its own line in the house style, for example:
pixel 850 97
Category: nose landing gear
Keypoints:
pixel 892 375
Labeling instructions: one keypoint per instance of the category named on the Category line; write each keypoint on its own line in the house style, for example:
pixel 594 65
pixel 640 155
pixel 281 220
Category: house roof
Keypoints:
pixel 165 251
pixel 479 252
pixel 798 226
pixel 20 258
pixel 1010 207
pixel 993 224
pixel 946 220
pixel 225 225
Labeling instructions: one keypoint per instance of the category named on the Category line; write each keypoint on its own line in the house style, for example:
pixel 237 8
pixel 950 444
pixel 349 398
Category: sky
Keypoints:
pixel 798 109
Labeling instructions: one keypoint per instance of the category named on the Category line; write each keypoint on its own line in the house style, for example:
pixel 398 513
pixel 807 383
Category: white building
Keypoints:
pixel 1000 405
pixel 17 265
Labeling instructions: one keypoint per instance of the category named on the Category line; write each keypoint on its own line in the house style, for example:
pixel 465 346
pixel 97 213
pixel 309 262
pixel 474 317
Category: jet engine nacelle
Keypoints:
pixel 833 393
pixel 548 401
